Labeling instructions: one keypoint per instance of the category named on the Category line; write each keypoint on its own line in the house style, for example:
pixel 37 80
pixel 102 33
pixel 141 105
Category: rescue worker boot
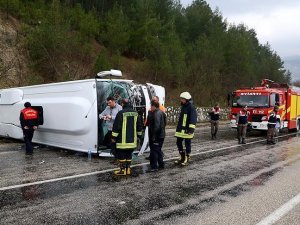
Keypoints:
pixel 243 141
pixel 186 160
pixel 180 159
pixel 240 142
pixel 122 170
pixel 128 169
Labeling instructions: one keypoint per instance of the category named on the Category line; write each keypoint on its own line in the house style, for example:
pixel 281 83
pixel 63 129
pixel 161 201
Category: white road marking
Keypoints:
pixel 196 132
pixel 111 170
pixel 280 212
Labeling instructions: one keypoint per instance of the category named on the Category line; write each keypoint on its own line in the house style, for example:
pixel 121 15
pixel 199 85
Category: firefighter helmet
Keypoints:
pixel 185 95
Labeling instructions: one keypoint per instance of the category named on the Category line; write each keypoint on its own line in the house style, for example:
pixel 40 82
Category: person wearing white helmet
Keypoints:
pixel 185 128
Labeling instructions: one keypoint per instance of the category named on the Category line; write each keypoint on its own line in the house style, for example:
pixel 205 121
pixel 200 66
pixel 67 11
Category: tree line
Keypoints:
pixel 159 41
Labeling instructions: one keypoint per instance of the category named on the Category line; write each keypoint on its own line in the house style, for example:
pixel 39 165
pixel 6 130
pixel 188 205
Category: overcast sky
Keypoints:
pixel 275 21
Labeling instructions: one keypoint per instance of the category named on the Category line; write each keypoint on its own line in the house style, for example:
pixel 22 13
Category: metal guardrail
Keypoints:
pixel 202 114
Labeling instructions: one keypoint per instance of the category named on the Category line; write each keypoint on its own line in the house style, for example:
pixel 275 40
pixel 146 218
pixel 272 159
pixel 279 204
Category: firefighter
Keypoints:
pixel 29 120
pixel 126 130
pixel 214 120
pixel 185 128
pixel 274 119
pixel 157 123
pixel 108 116
pixel 242 123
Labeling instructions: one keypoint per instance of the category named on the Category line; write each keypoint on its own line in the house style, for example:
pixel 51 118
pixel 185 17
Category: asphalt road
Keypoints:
pixel 225 183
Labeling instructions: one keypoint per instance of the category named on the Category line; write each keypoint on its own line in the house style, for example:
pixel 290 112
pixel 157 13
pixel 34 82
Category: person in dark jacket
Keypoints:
pixel 29 120
pixel 156 123
pixel 242 123
pixel 274 119
pixel 214 120
pixel 126 130
pixel 161 108
pixel 185 128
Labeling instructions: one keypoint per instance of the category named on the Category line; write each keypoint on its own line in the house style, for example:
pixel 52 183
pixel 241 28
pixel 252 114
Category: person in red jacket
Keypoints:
pixel 29 120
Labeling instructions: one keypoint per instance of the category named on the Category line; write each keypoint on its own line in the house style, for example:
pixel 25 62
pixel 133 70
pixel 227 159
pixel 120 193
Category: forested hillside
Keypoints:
pixel 184 49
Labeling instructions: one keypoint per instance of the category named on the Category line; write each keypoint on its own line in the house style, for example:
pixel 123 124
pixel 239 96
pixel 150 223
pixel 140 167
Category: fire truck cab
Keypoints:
pixel 261 101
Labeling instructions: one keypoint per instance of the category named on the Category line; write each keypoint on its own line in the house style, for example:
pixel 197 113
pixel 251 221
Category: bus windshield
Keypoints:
pixel 118 90
pixel 250 101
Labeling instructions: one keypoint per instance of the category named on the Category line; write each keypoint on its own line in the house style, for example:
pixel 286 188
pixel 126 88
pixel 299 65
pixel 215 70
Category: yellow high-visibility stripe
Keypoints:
pixel 192 126
pixel 124 127
pixel 184 135
pixel 123 144
pixel 139 133
pixel 184 120
pixel 126 145
pixel 135 134
pixel 130 114
pixel 114 134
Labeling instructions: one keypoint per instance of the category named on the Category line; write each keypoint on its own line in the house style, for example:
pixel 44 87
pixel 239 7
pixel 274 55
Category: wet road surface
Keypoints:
pixel 225 183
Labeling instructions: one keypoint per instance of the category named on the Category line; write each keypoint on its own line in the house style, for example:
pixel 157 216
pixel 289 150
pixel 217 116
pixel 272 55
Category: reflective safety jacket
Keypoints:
pixel 187 122
pixel 273 119
pixel 29 117
pixel 126 129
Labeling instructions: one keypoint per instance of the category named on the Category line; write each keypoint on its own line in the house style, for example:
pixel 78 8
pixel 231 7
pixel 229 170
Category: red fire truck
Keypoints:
pixel 261 101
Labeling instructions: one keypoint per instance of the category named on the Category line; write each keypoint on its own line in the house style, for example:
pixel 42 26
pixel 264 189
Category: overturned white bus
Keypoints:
pixel 69 111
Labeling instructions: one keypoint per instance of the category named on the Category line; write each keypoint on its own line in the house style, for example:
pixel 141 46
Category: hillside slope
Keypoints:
pixel 13 56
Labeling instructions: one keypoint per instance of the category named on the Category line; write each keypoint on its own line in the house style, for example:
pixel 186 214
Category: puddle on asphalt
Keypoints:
pixel 30 193
pixel 257 181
